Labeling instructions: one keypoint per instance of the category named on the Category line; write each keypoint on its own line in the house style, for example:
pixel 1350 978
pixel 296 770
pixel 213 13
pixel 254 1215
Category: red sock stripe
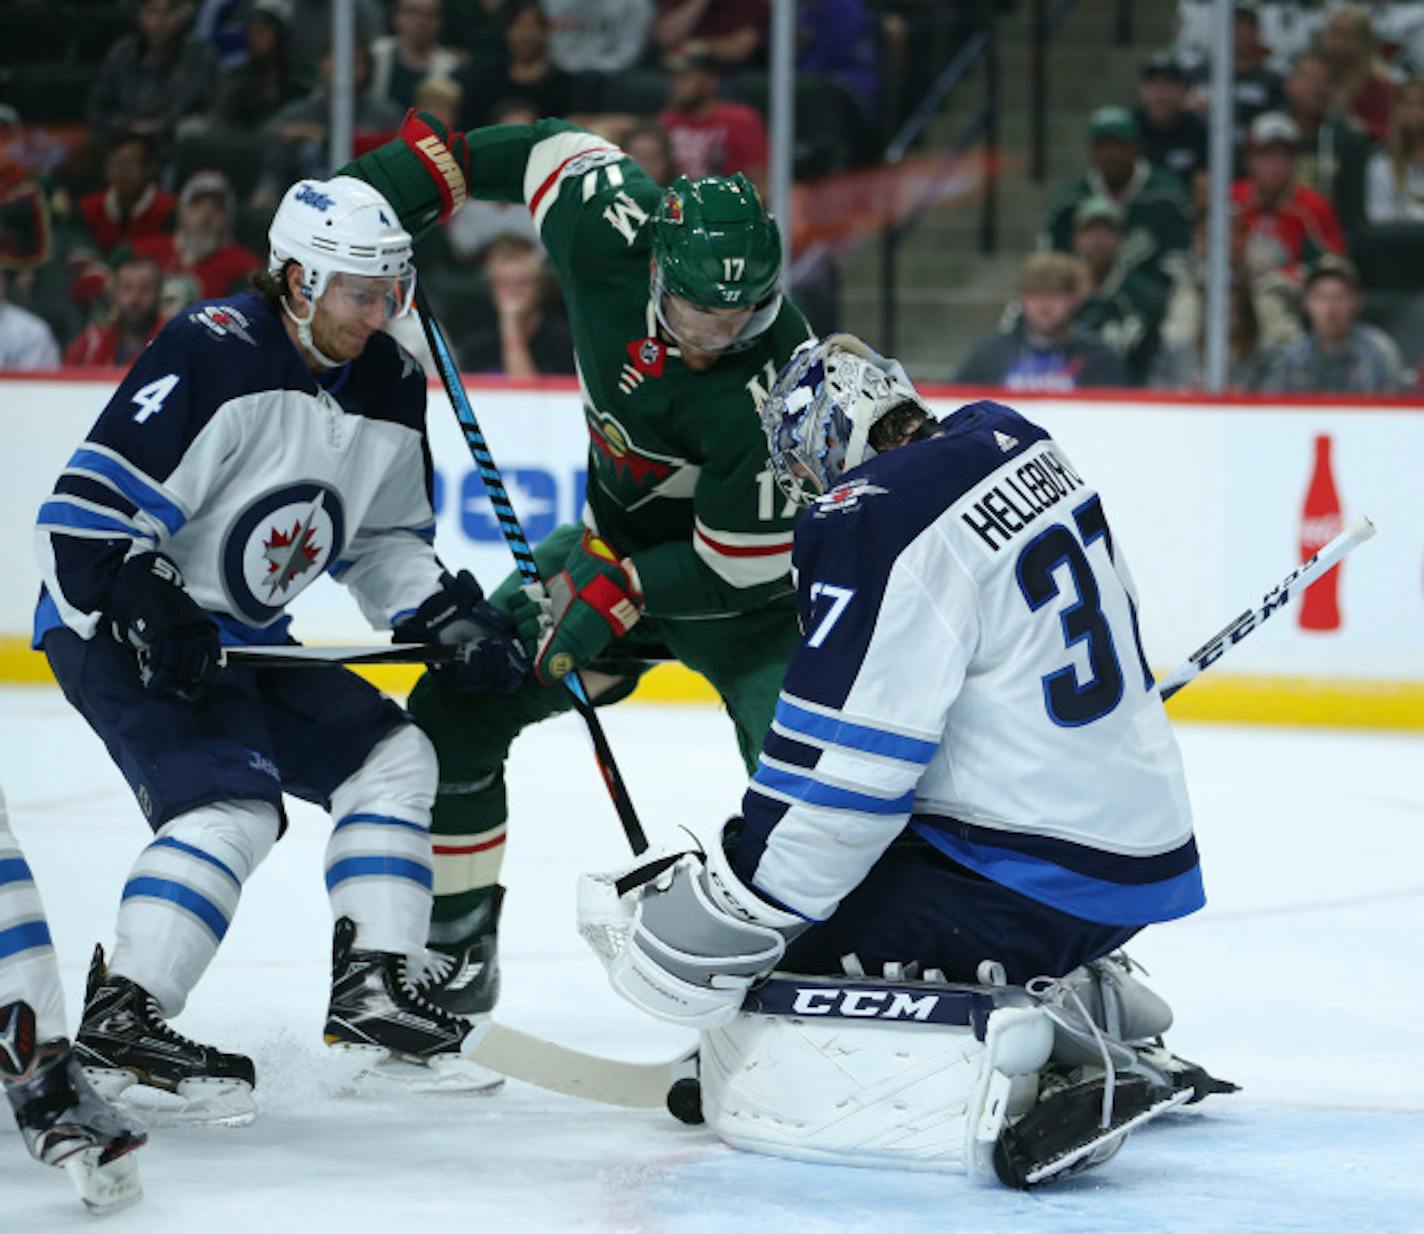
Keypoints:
pixel 461 850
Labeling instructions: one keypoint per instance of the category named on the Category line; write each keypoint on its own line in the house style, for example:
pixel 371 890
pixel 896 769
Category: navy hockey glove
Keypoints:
pixel 459 615
pixel 179 652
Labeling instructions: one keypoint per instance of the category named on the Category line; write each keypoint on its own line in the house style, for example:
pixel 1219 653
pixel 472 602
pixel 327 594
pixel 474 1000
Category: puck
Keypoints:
pixel 684 1101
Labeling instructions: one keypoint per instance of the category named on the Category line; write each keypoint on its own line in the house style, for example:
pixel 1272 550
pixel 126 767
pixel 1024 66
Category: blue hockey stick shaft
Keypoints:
pixel 514 536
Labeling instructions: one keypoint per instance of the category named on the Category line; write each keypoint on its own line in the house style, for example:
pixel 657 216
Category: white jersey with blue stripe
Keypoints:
pixel 222 450
pixel 971 669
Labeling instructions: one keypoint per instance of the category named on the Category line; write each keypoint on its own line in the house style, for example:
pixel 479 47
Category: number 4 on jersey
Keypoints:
pixel 150 398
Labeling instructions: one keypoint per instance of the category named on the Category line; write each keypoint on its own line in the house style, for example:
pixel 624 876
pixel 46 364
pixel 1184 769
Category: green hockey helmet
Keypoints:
pixel 716 279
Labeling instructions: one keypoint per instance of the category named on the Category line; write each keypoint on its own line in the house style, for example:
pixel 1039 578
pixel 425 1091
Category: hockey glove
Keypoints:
pixel 179 652
pixel 593 600
pixel 681 936
pixel 459 615
pixel 423 172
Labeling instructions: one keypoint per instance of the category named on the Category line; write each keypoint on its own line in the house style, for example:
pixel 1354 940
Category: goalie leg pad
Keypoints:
pixel 856 1090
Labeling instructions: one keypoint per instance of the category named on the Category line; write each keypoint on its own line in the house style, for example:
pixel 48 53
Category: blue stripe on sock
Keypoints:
pixel 194 851
pixel 14 870
pixel 352 819
pixel 24 937
pixel 185 897
pixel 379 867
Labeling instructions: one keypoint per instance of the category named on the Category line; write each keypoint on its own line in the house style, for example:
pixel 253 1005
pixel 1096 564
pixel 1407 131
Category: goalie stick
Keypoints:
pixel 295 656
pixel 648 1085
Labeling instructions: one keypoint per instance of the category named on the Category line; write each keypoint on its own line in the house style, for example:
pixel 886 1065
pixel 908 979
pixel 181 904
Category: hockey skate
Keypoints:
pixel 463 977
pixel 126 1048
pixel 382 1021
pixel 64 1121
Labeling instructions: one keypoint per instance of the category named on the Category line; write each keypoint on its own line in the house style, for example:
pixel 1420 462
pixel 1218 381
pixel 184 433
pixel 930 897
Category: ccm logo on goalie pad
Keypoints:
pixel 962 1008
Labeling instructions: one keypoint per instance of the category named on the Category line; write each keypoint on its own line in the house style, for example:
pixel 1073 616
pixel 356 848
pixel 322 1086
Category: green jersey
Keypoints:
pixel 679 478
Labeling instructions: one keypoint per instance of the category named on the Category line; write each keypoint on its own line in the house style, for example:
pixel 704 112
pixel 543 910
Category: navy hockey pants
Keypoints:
pixel 918 905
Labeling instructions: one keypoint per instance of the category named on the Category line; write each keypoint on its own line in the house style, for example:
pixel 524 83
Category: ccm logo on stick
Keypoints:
pixel 869 1004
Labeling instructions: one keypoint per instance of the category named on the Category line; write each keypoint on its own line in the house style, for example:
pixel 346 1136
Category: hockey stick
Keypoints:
pixel 282 656
pixel 524 560
pixel 640 1086
pixel 1253 618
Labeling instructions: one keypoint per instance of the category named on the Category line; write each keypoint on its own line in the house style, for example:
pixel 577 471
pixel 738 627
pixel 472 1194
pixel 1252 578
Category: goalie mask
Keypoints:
pixel 716 280
pixel 821 412
pixel 349 243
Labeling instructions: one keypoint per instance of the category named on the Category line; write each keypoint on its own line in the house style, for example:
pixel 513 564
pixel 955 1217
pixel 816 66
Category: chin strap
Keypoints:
pixel 304 335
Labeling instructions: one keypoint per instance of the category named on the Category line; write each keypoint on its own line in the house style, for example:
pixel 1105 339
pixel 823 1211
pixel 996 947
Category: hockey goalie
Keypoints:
pixel 906 951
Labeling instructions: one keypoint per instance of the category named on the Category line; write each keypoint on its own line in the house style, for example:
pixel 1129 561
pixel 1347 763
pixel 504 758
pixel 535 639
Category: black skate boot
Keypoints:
pixel 64 1121
pixel 462 977
pixel 380 1014
pixel 123 1039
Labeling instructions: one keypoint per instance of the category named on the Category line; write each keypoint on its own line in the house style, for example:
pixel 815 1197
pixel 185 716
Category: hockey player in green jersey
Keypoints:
pixel 680 328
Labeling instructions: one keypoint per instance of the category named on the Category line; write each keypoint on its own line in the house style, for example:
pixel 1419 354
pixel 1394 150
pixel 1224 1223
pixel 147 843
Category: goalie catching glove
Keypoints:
pixel 458 615
pixel 681 936
pixel 594 599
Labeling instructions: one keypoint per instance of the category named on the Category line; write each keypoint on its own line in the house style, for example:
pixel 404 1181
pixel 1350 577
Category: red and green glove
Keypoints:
pixel 594 599
pixel 424 172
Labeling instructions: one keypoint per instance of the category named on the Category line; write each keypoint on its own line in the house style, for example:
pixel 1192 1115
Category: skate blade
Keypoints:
pixel 104 1186
pixel 376 1066
pixel 197 1102
pixel 1098 1150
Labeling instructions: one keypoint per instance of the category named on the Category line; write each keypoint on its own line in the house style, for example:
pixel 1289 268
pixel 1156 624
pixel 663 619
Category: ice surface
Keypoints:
pixel 1301 980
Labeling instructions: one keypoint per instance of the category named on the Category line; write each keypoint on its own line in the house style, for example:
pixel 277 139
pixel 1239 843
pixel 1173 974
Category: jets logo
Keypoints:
pixel 223 320
pixel 846 497
pixel 277 546
pixel 314 198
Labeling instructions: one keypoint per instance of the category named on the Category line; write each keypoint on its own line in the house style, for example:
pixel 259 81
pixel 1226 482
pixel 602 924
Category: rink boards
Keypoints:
pixel 1206 497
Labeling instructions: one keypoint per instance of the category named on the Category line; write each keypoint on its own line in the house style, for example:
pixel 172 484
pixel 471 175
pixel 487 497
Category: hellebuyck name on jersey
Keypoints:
pixel 967 617
pixel 223 451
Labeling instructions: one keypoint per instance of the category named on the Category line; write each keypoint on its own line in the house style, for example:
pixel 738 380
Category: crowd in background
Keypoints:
pixel 140 165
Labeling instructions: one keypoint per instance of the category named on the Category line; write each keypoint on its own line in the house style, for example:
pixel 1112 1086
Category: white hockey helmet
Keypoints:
pixel 342 226
pixel 821 409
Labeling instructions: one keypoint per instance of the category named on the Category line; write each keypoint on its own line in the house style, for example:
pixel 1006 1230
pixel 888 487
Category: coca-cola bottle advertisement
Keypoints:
pixel 1320 522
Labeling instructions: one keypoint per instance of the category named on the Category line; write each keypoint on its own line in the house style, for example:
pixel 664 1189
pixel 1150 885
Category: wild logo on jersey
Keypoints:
pixel 612 443
pixel 277 546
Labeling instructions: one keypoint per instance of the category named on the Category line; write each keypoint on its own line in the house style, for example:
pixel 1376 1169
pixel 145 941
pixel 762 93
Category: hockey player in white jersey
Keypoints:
pixel 257 443
pixel 63 1120
pixel 970 775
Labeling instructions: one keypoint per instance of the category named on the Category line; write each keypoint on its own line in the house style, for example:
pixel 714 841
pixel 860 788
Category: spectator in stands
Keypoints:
pixel 26 342
pixel 1181 365
pixel 131 204
pixel 138 284
pixel 251 94
pixel 478 224
pixel 1174 138
pixel 1046 349
pixel 836 39
pixel 309 35
pixel 710 135
pixel 299 131
pixel 1124 308
pixel 154 78
pixel 530 335
pixel 733 32
pixel 1338 355
pixel 441 97
pixel 400 61
pixel 1256 88
pixel 220 22
pixel 200 260
pixel 1361 85
pixel 1332 152
pixel 525 72
pixel 1287 226
pixel 1156 211
pixel 25 224
pixel 1395 189
pixel 592 40
pixel 649 145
